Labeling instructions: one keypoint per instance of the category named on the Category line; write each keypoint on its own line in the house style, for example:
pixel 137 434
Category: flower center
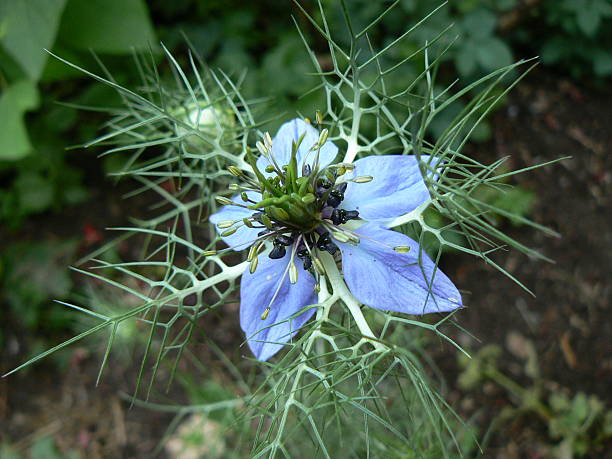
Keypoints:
pixel 298 209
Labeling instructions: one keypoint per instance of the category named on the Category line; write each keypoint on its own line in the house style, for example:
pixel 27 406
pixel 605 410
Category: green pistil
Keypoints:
pixel 263 181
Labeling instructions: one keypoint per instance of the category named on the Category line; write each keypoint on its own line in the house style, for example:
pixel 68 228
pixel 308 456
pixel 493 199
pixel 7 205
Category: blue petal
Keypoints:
pixel 397 187
pixel 244 236
pixel 267 337
pixel 381 278
pixel 290 132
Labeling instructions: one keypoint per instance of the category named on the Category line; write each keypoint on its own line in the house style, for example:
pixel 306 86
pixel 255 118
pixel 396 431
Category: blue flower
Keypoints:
pixel 309 207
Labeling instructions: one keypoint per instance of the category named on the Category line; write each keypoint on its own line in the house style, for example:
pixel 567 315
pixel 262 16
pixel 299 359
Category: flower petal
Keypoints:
pixel 396 189
pixel 382 278
pixel 267 337
pixel 291 132
pixel 244 236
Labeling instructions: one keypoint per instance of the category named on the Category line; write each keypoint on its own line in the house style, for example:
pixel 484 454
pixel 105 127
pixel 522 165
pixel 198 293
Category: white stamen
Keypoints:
pixel 225 224
pixel 363 179
pixel 293 273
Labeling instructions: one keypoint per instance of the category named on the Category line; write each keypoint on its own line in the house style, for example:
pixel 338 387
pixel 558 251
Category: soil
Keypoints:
pixel 546 117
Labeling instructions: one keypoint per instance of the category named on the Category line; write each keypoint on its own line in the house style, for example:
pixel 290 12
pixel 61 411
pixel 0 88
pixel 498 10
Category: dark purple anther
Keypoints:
pixel 277 252
pixel 325 243
pixel 284 240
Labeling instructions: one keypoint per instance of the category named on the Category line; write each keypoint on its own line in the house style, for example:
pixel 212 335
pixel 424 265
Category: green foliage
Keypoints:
pixel 578 36
pixel 32 274
pixel 42 447
pixel 15 100
pixel 32 153
pixel 28 28
pixel 576 425
pixel 106 26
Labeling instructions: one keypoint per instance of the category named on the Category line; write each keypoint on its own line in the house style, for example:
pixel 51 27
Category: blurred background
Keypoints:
pixel 539 383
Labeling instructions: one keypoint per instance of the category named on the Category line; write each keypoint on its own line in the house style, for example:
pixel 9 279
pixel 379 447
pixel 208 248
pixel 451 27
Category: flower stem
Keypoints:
pixel 339 288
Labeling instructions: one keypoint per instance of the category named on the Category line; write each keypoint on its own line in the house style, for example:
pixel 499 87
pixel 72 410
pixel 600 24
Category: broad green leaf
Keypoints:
pixel 28 27
pixel 480 23
pixel 35 192
pixel 602 63
pixel 588 20
pixel 493 54
pixel 107 26
pixel 465 59
pixel 14 102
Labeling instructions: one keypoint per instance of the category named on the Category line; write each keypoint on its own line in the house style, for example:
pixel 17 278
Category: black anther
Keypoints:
pixel 277 252
pixel 305 257
pixel 334 199
pixel 307 262
pixel 324 238
pixel 351 215
pixel 324 183
pixel 338 216
pixel 284 240
pixel 341 187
